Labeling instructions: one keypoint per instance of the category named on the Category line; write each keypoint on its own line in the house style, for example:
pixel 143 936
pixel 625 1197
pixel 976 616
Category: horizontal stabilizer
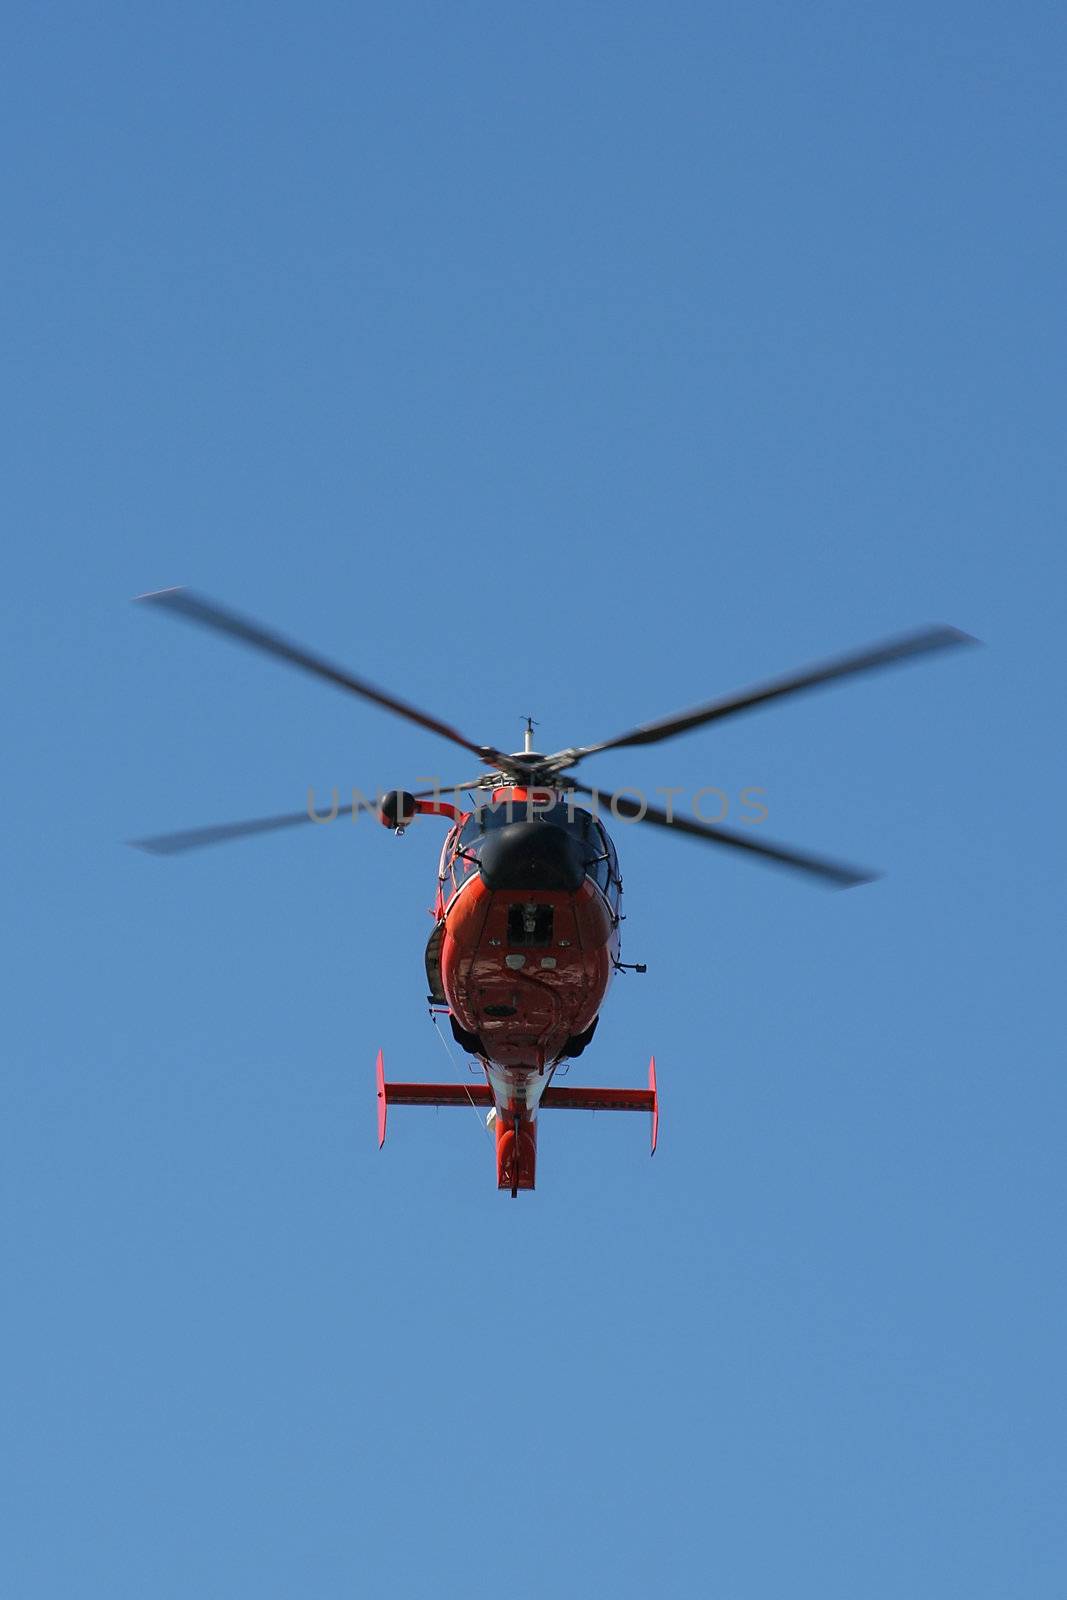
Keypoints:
pixel 598 1099
pixel 568 1099
pixel 479 1094
pixel 438 1094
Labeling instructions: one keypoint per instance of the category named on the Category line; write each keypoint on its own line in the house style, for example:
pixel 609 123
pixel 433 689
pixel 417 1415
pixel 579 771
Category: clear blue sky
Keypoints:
pixel 586 361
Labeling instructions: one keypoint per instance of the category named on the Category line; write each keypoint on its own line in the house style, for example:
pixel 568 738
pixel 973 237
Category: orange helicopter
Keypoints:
pixel 525 940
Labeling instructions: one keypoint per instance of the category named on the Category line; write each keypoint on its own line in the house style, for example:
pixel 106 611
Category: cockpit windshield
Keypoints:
pixel 462 850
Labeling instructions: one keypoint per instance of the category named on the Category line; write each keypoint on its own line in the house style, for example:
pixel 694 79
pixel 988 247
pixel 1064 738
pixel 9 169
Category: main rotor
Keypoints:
pixel 528 767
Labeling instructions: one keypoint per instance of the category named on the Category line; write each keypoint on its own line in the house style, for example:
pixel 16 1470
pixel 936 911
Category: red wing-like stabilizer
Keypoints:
pixel 568 1099
pixel 563 1098
pixel 424 1094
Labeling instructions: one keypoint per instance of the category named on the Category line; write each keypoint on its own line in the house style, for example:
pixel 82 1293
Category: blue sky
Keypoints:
pixel 585 361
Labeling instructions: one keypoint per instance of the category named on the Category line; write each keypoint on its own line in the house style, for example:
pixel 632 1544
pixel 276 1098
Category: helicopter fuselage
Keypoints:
pixel 524 947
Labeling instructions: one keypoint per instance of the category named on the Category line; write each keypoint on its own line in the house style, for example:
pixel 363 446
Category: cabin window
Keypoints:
pixel 530 926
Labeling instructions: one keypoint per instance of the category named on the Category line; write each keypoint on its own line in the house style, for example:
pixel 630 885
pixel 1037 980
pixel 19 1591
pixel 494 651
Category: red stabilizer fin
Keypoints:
pixel 654 1092
pixel 383 1104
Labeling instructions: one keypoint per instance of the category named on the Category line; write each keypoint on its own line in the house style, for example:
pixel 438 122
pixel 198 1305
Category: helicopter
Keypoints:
pixel 527 910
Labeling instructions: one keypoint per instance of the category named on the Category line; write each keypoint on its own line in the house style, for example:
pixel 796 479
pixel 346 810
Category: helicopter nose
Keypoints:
pixel 531 855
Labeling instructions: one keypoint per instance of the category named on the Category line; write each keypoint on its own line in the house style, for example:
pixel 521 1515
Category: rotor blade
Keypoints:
pixel 174 844
pixel 197 608
pixel 924 641
pixel 834 874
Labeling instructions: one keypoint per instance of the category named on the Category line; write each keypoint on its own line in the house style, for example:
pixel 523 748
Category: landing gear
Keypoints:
pixel 578 1041
pixel 466 1040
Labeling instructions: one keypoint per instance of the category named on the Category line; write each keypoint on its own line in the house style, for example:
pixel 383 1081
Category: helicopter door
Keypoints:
pixel 437 995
